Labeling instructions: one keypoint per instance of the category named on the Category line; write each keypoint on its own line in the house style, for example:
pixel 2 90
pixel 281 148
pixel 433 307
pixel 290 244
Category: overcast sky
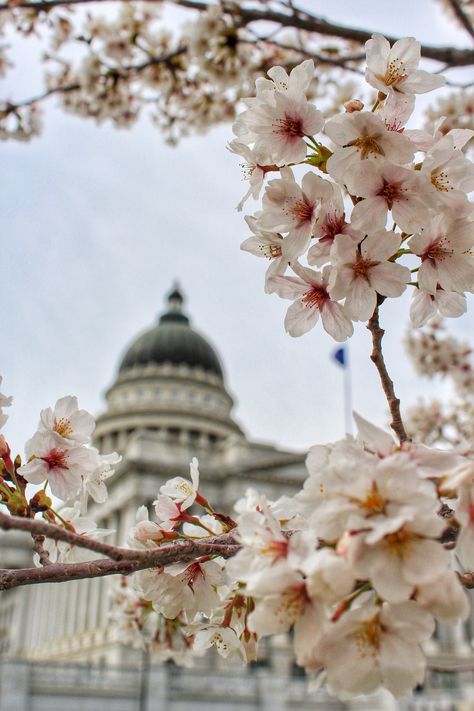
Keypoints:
pixel 97 223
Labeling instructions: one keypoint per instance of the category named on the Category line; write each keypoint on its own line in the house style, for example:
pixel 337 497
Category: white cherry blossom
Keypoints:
pixel 287 207
pixel 425 306
pixel 394 69
pixel 385 187
pixel 224 639
pixel 309 292
pixel 68 421
pixel 360 274
pixel 255 169
pixel 372 646
pixel 62 465
pixel 270 245
pixel 446 248
pixel 363 136
pixel 181 490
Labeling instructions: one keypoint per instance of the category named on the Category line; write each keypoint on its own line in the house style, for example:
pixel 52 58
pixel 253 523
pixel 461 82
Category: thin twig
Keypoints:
pixel 461 16
pixel 39 548
pixel 299 19
pixel 387 383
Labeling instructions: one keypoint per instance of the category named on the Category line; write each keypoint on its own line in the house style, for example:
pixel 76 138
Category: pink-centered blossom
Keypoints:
pixel 446 249
pixel 311 299
pixel 388 187
pixel 280 126
pixel 63 465
pixel 361 272
pixel 287 207
pixel 330 222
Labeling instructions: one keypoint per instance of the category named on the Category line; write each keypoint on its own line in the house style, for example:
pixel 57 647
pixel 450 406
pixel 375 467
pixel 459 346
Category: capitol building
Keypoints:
pixel 58 650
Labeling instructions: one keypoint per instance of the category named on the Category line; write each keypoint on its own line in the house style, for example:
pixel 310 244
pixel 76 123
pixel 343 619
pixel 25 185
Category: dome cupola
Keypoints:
pixel 170 382
pixel 172 340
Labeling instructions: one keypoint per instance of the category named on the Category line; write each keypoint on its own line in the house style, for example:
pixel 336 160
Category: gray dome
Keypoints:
pixel 172 340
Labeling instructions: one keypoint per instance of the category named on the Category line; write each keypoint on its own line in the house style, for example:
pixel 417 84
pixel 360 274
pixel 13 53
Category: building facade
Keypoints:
pixel 168 403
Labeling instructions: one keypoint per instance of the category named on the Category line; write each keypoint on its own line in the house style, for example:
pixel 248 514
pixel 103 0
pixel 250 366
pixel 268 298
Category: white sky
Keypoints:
pixel 97 223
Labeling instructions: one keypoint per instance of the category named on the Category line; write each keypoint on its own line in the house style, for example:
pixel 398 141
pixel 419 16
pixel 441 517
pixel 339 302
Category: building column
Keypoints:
pixel 14 686
pixel 156 682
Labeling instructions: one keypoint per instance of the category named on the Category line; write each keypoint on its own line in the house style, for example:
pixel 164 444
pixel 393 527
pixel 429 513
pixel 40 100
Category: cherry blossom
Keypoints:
pixel 269 245
pixel 182 491
pixel 61 465
pixel 68 421
pixel 394 69
pixel 446 250
pixel 425 306
pixel 375 645
pixel 255 168
pixel 330 222
pixel 224 639
pixel 309 291
pixel 363 136
pixel 287 207
pixel 390 187
pixel 358 274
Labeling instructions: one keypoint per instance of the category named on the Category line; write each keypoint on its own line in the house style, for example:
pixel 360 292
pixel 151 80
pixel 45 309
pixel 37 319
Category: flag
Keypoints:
pixel 341 356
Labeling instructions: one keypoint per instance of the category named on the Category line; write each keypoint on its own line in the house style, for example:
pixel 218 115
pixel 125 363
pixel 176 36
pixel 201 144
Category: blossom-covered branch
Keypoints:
pixel 356 209
pixel 222 50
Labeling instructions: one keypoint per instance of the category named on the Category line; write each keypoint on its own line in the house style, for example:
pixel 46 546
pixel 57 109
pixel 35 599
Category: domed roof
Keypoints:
pixel 173 340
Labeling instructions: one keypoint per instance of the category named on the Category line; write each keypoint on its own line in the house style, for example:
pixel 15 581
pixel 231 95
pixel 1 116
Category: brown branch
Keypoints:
pixel 387 383
pixel 298 19
pixel 38 548
pixel 461 16
pixel 155 558
pixel 224 545
pixel 119 73
pixel 62 572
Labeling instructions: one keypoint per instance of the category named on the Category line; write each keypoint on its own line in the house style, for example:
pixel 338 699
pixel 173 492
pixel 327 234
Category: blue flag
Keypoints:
pixel 340 356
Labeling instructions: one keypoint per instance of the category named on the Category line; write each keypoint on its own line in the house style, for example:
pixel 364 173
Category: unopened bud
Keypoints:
pixel 40 501
pixel 353 105
pixel 17 504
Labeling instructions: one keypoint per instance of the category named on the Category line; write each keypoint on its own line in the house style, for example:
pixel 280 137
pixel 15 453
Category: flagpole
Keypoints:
pixel 348 394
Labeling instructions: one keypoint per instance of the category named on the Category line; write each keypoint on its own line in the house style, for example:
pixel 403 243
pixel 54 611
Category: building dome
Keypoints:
pixel 170 385
pixel 172 340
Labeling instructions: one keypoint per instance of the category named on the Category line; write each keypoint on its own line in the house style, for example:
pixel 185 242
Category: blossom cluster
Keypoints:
pixel 436 354
pixel 114 67
pixel 354 564
pixel 59 457
pixel 406 191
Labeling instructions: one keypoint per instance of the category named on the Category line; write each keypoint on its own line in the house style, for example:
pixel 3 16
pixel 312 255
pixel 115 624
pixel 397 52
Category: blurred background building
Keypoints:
pixel 168 403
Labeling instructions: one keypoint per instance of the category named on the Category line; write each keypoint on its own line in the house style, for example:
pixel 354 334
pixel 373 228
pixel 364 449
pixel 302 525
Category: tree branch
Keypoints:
pixel 62 572
pixel 298 19
pixel 224 545
pixel 387 383
pixel 461 16
pixel 39 549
